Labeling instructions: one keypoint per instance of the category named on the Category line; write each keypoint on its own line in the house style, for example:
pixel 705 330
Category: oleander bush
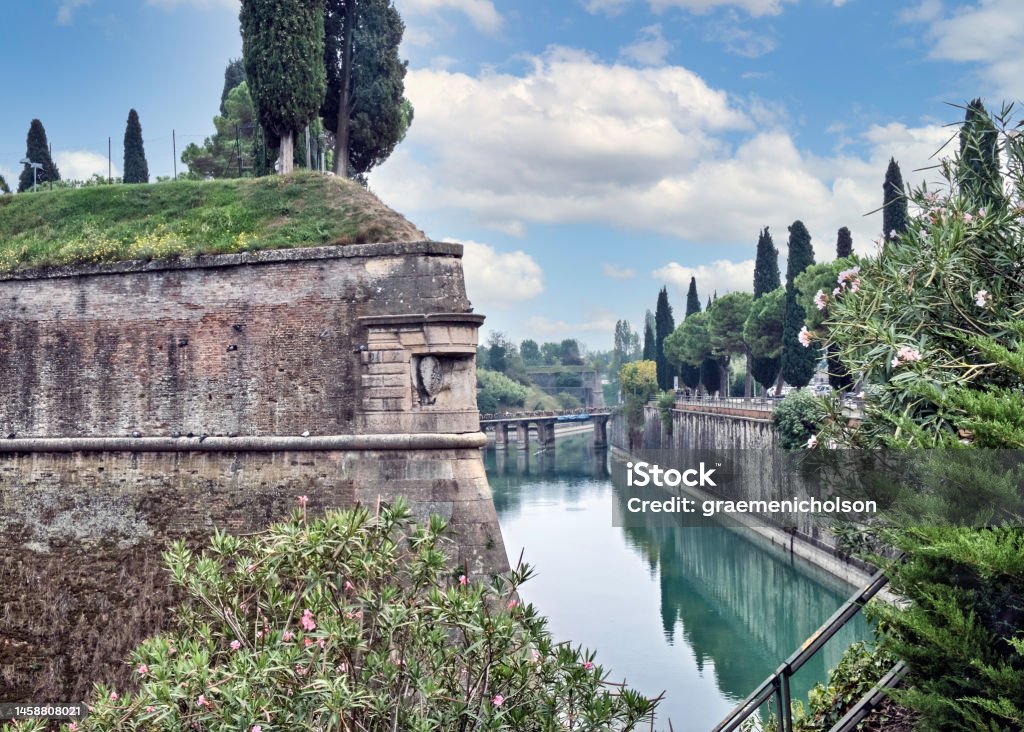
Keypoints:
pixel 355 621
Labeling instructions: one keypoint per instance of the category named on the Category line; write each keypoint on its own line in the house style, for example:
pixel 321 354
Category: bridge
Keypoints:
pixel 544 422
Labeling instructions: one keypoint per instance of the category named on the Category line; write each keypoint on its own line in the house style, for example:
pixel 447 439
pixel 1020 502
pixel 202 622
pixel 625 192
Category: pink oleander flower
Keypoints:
pixel 982 298
pixel 498 700
pixel 251 568
pixel 848 274
pixel 307 642
pixel 821 300
pixel 114 696
pixel 202 701
pixel 513 604
pixel 463 580
pixel 288 635
pixel 892 234
pixel 235 645
pixel 534 655
pixel 142 669
pixel 322 643
pixel 968 218
pixel 804 336
pixel 300 670
pixel 256 728
pixel 306 621
pixel 150 709
pixel 981 213
pixel 349 585
pixel 906 354
pixel 812 442
pixel 836 292
pixel 73 726
pixel 259 634
pixel 588 665
pixel 303 500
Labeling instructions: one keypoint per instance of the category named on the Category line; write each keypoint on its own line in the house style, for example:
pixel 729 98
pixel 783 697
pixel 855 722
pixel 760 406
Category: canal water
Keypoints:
pixel 704 613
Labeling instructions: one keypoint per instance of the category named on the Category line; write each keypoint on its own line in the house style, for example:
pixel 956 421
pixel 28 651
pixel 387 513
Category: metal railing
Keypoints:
pixel 777 686
pixel 597 412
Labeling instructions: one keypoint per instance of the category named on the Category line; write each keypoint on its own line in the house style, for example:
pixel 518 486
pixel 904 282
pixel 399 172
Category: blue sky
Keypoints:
pixel 587 152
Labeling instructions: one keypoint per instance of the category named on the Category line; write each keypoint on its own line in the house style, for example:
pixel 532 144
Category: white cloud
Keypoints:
pixel 989 34
pixel 66 11
pixel 499 279
pixel 739 40
pixel 650 48
pixel 81 164
pixel 556 145
pixel 720 276
pixel 481 13
pixel 608 7
pixel 616 272
pixel 546 327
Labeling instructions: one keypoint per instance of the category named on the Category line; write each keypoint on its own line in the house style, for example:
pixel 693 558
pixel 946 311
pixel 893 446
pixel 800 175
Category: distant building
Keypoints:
pixel 580 382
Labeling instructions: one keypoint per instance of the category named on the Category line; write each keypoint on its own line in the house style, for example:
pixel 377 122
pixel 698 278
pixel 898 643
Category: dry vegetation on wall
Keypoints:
pixel 182 218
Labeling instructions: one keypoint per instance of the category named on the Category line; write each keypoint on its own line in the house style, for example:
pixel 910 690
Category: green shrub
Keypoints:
pixel 498 391
pixel 797 419
pixel 355 622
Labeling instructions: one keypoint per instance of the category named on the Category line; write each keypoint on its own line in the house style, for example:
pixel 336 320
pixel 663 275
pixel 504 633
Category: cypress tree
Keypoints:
pixel 798 361
pixel 135 168
pixel 664 324
pixel 283 48
pixel 979 157
pixel 894 202
pixel 692 300
pixel 364 104
pixel 689 373
pixel 766 265
pixel 4 188
pixel 234 75
pixel 37 149
pixel 766 279
pixel 650 349
pixel 844 243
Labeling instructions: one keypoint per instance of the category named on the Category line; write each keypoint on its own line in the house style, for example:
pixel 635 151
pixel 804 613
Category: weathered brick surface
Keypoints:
pixel 333 341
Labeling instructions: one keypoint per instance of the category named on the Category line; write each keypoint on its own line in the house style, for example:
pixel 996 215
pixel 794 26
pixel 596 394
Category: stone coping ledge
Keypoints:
pixel 263 256
pixel 319 443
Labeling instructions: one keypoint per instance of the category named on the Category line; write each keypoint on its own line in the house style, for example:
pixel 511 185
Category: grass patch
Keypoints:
pixel 186 218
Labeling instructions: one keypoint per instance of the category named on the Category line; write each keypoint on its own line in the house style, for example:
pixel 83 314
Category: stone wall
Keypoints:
pixel 147 401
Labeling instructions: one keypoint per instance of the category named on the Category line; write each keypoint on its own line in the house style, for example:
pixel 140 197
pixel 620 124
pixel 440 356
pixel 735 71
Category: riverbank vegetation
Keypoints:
pixel 933 324
pixel 355 621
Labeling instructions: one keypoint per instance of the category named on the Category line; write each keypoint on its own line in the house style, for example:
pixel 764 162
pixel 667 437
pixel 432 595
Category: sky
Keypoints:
pixel 585 152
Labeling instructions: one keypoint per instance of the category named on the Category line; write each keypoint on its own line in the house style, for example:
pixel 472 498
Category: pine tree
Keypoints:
pixel 798 361
pixel 283 48
pixel 894 203
pixel 844 243
pixel 688 373
pixel 766 279
pixel 4 188
pixel 135 168
pixel 979 158
pixel 37 149
pixel 664 324
pixel 364 105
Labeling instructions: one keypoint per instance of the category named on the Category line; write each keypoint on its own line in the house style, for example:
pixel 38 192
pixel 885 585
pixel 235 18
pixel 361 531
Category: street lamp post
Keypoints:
pixel 35 170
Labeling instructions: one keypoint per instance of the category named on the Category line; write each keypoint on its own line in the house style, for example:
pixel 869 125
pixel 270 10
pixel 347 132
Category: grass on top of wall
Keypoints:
pixel 109 223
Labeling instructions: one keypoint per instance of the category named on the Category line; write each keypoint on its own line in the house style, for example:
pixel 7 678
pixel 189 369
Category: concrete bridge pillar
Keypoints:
pixel 523 435
pixel 547 433
pixel 501 435
pixel 601 431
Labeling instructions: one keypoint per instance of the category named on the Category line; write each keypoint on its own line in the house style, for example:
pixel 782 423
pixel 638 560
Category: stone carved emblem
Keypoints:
pixel 431 378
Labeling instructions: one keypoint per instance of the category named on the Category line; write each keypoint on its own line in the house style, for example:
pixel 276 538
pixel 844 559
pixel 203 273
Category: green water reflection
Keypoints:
pixel 703 613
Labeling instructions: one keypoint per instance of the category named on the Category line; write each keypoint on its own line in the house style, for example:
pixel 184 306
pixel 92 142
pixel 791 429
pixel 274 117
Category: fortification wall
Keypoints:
pixel 147 401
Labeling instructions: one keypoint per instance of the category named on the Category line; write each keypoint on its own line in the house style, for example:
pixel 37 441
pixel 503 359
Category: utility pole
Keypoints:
pixel 110 168
pixel 174 152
